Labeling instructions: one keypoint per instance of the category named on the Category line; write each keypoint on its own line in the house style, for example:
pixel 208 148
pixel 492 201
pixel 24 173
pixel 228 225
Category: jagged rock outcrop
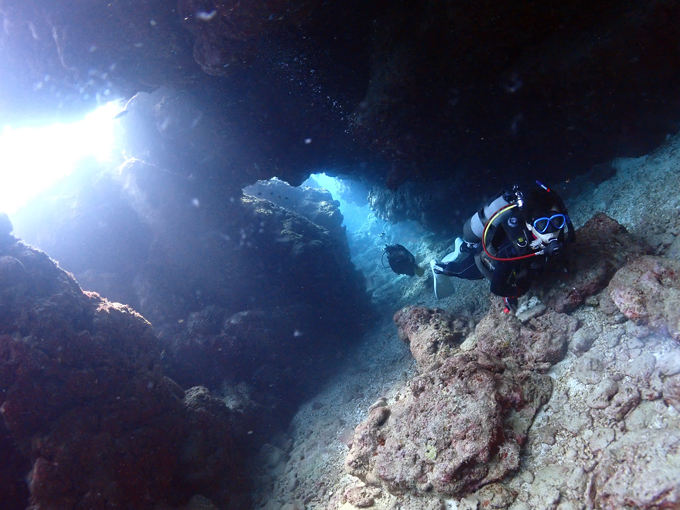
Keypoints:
pixel 461 427
pixel 87 407
pixel 538 344
pixel 315 204
pixel 432 334
pixel 463 422
pixel 240 290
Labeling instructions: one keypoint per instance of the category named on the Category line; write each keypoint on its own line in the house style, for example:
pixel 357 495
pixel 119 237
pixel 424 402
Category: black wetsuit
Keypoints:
pixel 511 278
pixel 509 240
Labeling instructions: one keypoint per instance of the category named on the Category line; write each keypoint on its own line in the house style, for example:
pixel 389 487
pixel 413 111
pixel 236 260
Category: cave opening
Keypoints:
pixel 34 159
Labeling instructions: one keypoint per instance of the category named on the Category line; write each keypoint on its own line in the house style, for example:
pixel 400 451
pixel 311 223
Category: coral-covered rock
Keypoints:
pixel 639 470
pixel 84 399
pixel 432 334
pixel 315 204
pixel 626 399
pixel 461 427
pixel 671 391
pixel 362 496
pixel 495 495
pixel 647 291
pixel 539 343
pixel 602 247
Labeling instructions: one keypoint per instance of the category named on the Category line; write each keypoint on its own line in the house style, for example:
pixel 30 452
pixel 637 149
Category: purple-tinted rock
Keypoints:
pixel 626 399
pixel 602 247
pixel 432 334
pixel 646 291
pixel 85 401
pixel 539 343
pixel 361 497
pixel 461 428
pixel 583 340
pixel 495 495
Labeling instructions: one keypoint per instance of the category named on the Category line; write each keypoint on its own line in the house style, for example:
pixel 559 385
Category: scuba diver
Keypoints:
pixel 508 242
pixel 401 260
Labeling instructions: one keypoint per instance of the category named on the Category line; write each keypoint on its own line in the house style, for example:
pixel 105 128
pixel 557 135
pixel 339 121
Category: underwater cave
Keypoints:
pixel 301 255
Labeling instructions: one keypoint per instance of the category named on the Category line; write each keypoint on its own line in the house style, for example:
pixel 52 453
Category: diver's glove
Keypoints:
pixel 510 305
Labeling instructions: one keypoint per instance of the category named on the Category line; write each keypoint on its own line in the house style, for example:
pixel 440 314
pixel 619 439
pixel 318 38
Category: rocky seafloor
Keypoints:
pixel 574 403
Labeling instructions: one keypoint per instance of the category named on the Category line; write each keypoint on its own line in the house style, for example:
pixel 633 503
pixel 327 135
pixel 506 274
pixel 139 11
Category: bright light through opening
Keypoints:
pixel 329 183
pixel 354 216
pixel 33 159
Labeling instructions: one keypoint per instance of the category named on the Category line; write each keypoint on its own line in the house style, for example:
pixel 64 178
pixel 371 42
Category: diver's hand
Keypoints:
pixel 510 305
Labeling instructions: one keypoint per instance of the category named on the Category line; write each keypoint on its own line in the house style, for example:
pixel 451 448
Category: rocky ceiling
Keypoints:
pixel 389 91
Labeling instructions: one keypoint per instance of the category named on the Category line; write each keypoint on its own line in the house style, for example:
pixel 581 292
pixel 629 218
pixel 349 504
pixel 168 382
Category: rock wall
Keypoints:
pixel 90 418
pixel 241 291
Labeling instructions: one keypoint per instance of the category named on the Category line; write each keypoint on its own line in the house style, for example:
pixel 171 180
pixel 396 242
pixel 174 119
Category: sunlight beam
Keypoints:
pixel 33 159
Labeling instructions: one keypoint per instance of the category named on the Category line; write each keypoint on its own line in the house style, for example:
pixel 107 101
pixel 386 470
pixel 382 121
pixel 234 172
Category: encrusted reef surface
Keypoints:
pixel 572 404
pixel 89 418
pixel 460 426
pixel 647 291
pixel 466 415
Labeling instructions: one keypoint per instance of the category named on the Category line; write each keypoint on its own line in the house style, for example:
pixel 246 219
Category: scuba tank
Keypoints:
pixel 401 261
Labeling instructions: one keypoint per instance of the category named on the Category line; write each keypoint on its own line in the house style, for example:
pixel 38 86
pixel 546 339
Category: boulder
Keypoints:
pixel 647 291
pixel 602 247
pixel 432 334
pixel 539 343
pixel 461 427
